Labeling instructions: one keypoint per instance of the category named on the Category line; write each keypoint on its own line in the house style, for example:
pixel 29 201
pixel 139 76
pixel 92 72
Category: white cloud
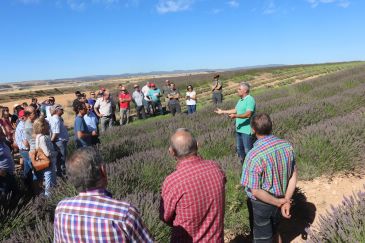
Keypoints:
pixel 340 3
pixel 216 11
pixel 234 3
pixel 171 6
pixel 270 8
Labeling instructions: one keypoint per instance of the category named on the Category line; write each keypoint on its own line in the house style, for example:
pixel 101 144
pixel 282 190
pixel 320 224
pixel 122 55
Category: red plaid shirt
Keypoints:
pixel 192 201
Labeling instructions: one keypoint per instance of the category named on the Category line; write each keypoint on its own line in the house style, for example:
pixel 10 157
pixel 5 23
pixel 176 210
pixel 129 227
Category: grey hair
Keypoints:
pixel 186 146
pixel 246 85
pixel 83 168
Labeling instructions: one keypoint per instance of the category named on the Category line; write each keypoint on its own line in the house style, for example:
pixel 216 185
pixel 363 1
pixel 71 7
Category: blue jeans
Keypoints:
pixel 264 220
pixel 61 148
pixel 244 143
pixel 27 164
pixel 50 176
pixel 191 109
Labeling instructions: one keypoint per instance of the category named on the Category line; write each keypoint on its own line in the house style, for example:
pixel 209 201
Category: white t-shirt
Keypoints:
pixel 191 101
pixel 145 90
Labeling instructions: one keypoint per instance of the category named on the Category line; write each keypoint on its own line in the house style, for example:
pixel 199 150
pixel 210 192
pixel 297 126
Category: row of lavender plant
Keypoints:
pixel 138 160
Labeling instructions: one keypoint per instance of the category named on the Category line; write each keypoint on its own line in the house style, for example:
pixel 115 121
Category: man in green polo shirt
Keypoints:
pixel 243 112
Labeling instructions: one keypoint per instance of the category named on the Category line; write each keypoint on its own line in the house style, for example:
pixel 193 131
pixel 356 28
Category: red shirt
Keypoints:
pixel 192 201
pixel 124 105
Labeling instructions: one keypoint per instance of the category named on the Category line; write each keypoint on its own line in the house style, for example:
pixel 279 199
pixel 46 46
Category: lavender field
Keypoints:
pixel 324 119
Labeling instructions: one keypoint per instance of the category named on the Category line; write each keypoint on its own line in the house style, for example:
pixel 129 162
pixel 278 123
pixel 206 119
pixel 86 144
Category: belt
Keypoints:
pixel 107 116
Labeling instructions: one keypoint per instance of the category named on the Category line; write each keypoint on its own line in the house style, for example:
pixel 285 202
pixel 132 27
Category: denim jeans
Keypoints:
pixel 264 220
pixel 50 176
pixel 124 116
pixel 61 148
pixel 244 143
pixel 27 165
pixel 191 109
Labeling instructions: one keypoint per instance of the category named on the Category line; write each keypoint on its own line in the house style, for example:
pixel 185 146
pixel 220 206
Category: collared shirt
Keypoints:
pixel 105 106
pixel 268 166
pixel 138 97
pixel 57 126
pixel 93 216
pixel 91 121
pixel 28 130
pixel 192 201
pixel 244 105
pixel 20 135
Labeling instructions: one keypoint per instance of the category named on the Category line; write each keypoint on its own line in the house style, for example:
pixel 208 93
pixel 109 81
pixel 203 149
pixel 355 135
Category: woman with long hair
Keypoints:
pixel 43 141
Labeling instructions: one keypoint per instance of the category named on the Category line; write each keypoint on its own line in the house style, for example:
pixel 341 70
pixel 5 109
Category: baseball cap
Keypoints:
pixel 21 113
pixel 152 85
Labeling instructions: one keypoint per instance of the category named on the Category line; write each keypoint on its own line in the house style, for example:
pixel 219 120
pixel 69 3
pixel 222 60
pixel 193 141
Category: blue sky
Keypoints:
pixel 47 39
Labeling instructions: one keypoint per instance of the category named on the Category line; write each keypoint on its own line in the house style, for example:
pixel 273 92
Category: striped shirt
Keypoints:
pixel 268 166
pixel 192 201
pixel 20 135
pixel 93 216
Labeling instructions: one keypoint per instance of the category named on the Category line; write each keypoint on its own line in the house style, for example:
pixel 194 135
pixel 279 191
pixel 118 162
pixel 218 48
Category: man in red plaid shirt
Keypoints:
pixel 193 198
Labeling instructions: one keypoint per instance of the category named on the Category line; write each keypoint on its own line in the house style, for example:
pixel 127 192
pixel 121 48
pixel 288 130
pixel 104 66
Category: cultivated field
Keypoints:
pixel 320 109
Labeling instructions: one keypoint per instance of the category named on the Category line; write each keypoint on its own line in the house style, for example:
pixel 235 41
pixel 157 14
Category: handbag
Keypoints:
pixel 39 160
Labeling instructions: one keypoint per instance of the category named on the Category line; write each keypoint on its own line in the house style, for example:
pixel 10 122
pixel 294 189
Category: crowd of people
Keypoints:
pixel 192 197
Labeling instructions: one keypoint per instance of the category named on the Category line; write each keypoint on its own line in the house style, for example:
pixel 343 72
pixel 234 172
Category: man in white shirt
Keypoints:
pixel 104 108
pixel 147 100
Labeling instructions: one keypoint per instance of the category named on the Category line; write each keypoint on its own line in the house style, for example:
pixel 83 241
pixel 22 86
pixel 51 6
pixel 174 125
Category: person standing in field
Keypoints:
pixel 138 98
pixel 104 109
pixel 190 99
pixel 155 95
pixel 93 215
pixel 125 99
pixel 43 141
pixel 59 138
pixel 217 95
pixel 165 91
pixel 193 196
pixel 91 101
pixel 243 112
pixel 174 96
pixel 269 177
pixel 81 131
pixel 8 183
pixel 92 124
pixel 147 100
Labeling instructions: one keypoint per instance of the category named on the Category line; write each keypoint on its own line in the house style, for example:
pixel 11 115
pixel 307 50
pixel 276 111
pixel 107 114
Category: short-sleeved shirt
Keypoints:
pixel 93 216
pixel 6 159
pixel 192 200
pixel 138 97
pixel 47 109
pixel 173 92
pixel 20 135
pixel 124 105
pixel 244 105
pixel 217 83
pixel 153 93
pixel 57 126
pixel 28 129
pixel 268 166
pixel 105 106
pixel 145 90
pixel 165 90
pixel 91 122
pixel 80 126
pixel 190 101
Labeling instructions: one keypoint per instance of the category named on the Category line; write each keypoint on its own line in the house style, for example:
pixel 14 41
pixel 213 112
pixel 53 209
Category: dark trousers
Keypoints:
pixel 141 112
pixel 217 98
pixel 7 184
pixel 264 220
pixel 174 107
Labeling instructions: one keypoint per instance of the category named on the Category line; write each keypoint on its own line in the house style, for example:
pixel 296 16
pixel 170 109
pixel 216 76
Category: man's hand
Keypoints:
pixel 94 133
pixel 218 111
pixel 285 210
pixel 232 116
pixel 281 202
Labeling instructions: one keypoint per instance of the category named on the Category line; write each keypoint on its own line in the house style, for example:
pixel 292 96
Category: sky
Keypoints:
pixel 50 39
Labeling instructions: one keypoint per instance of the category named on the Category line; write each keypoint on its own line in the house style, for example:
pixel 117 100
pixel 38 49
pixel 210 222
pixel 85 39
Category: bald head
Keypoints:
pixel 183 143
